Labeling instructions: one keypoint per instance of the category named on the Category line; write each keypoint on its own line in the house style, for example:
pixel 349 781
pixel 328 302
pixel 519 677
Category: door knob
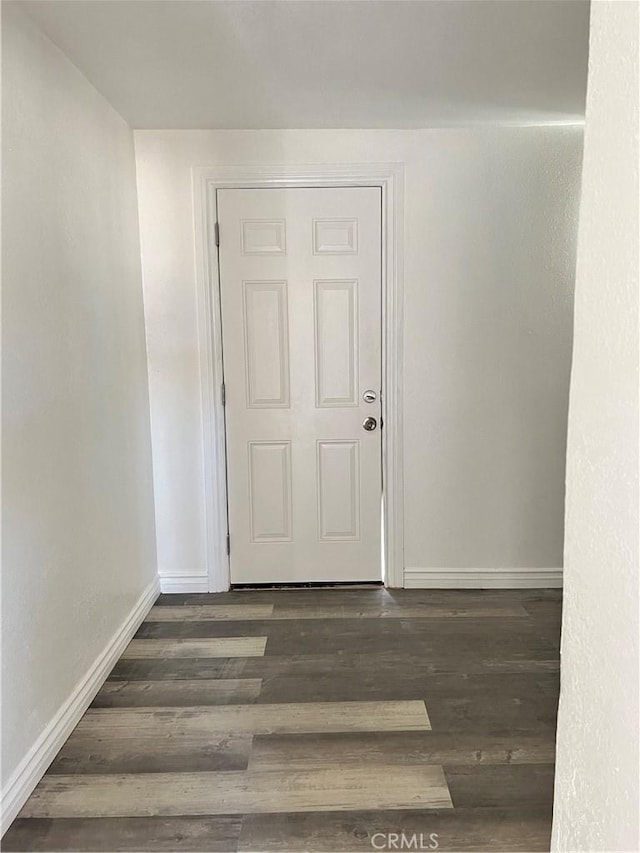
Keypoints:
pixel 369 396
pixel 369 424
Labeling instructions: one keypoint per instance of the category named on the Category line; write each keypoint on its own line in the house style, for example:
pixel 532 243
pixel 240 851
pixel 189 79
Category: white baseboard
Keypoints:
pixel 34 764
pixel 184 583
pixel 419 578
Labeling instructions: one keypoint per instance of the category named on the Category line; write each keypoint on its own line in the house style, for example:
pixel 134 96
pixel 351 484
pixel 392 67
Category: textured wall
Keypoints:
pixel 490 223
pixel 77 498
pixel 596 799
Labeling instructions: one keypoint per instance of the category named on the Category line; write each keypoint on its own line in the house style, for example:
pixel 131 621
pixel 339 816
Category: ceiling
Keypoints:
pixel 327 63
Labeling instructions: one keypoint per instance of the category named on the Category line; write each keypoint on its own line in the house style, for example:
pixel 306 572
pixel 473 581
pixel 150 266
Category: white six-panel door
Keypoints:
pixel 300 280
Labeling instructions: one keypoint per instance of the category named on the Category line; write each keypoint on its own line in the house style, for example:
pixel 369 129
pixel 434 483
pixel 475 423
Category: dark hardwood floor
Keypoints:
pixel 330 720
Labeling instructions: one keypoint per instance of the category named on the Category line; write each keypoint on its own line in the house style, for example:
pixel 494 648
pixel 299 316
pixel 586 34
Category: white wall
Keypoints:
pixel 490 221
pixel 78 523
pixel 596 795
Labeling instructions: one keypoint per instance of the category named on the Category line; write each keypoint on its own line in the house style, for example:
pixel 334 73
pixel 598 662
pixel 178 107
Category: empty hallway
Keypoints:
pixel 320 420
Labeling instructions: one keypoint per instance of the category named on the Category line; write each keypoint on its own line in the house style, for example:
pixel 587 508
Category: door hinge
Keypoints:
pixel 216 231
pixel 228 545
pixel 223 393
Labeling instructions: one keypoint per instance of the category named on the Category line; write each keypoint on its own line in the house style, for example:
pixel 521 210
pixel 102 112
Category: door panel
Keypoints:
pixel 336 343
pixel 300 282
pixel 338 483
pixel 266 336
pixel 270 491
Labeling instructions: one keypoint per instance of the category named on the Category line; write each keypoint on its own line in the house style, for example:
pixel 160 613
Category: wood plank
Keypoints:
pixel 402 682
pixel 379 665
pixel 383 632
pixel 434 639
pixel 524 829
pixel 110 835
pixel 223 691
pixel 311 751
pixel 212 628
pixel 365 595
pixel 150 751
pixel 306 596
pixel 334 789
pixel 209 612
pixel 419 611
pixel 127 723
pixel 486 713
pixel 217 647
pixel 517 830
pixel 179 669
pixel 506 785
pixel 231 612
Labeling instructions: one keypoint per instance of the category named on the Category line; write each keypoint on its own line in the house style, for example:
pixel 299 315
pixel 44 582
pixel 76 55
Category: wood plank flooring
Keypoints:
pixel 315 720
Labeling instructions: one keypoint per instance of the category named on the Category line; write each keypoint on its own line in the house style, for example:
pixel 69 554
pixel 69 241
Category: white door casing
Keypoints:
pixel 300 288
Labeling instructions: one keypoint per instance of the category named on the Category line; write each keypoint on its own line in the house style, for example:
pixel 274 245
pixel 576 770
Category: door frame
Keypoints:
pixel 389 177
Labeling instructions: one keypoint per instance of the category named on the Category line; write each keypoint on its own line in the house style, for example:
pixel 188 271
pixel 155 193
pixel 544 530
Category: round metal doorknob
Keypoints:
pixel 369 424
